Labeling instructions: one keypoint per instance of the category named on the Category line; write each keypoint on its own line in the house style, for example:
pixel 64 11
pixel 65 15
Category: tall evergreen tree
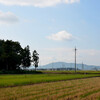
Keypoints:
pixel 26 57
pixel 35 59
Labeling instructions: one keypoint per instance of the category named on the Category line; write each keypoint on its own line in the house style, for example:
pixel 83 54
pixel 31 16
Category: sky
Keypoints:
pixel 54 28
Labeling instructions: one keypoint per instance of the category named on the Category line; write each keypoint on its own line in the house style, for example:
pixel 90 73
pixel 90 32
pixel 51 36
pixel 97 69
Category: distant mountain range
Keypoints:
pixel 64 65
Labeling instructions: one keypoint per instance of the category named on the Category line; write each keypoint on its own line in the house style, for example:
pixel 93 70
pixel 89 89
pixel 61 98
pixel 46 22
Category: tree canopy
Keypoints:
pixel 12 55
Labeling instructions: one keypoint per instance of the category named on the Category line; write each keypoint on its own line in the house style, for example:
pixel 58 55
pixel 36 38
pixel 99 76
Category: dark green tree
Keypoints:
pixel 10 55
pixel 35 59
pixel 1 54
pixel 26 57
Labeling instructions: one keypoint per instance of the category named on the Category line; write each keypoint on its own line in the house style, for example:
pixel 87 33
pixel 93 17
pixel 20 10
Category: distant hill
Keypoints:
pixel 64 65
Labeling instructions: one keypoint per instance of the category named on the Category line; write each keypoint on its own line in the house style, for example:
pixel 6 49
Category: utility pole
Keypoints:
pixel 75 59
pixel 82 66
pixel 52 66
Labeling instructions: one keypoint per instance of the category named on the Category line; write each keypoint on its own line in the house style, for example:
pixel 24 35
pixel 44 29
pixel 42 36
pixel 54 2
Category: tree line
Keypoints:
pixel 12 55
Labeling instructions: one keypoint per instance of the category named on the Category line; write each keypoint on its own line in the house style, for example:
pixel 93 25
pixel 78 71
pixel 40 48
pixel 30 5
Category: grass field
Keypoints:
pixel 15 80
pixel 81 89
pixel 72 72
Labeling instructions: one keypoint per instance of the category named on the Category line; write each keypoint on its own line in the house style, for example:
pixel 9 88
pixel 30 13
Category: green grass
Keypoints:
pixel 14 80
pixel 72 72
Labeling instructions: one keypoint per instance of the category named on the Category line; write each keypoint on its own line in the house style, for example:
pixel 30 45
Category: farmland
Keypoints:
pixel 16 80
pixel 81 89
pixel 50 86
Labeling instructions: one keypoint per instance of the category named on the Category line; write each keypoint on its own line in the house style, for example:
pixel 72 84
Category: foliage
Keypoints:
pixel 19 72
pixel 11 55
pixel 35 59
pixel 26 57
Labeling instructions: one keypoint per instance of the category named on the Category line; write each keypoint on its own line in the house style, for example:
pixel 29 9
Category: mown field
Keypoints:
pixel 16 80
pixel 81 89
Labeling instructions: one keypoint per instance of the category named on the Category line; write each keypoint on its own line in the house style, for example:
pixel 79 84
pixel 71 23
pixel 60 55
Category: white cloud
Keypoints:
pixel 36 3
pixel 61 36
pixel 8 18
pixel 71 1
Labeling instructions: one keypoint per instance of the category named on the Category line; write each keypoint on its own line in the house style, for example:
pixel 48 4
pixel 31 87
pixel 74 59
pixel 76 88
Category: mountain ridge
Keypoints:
pixel 55 65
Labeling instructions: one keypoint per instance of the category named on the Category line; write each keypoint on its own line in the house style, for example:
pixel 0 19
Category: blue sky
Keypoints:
pixel 54 28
